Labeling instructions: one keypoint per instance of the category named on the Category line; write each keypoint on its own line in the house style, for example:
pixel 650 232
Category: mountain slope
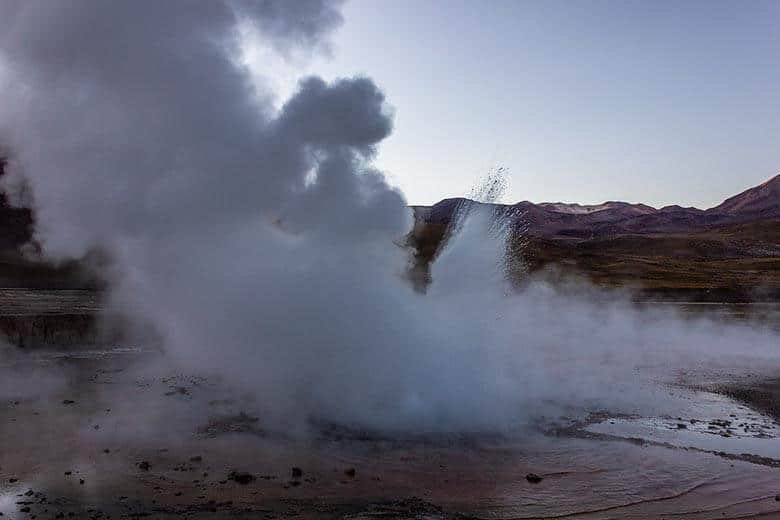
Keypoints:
pixel 579 222
pixel 758 203
pixel 728 253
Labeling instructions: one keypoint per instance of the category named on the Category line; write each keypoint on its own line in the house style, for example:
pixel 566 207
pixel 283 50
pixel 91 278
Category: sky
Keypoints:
pixel 661 102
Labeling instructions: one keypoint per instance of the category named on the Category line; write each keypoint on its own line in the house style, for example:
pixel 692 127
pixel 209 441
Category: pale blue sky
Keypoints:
pixel 584 101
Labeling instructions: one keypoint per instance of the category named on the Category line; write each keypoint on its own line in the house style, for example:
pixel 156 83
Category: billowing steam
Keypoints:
pixel 262 245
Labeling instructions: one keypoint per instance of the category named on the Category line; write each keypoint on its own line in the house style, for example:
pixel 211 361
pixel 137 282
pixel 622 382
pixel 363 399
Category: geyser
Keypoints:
pixel 262 245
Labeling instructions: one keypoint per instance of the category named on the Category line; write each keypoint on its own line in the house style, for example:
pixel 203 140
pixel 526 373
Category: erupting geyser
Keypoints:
pixel 262 245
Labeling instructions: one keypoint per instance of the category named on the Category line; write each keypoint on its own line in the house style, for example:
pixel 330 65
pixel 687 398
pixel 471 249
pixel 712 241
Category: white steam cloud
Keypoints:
pixel 262 245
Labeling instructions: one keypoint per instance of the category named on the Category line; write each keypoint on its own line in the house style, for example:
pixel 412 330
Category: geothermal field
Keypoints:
pixel 215 302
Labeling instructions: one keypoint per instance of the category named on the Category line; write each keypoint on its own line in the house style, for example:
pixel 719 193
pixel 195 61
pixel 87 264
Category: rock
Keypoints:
pixel 533 478
pixel 682 426
pixel 197 458
pixel 350 472
pixel 144 465
pixel 241 477
pixel 777 498
pixel 296 472
pixel 68 401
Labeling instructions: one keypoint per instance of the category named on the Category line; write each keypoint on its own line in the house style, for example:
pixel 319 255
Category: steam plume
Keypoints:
pixel 261 245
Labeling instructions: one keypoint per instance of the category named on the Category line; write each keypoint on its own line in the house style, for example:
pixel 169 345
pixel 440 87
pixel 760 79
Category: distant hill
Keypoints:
pixel 19 270
pixel 727 253
pixel 759 203
pixel 581 222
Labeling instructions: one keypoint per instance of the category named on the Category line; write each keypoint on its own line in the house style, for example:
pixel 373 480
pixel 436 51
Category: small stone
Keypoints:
pixel 241 477
pixel 144 465
pixel 533 478
pixel 68 401
pixel 350 472
pixel 297 472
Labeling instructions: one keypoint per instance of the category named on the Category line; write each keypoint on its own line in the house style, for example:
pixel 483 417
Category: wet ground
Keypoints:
pixel 89 435
pixel 88 431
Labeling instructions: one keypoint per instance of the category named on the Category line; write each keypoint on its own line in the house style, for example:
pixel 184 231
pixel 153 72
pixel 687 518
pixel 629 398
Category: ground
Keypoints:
pixel 94 434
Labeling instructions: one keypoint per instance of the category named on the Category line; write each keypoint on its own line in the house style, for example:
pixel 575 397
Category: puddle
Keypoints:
pixel 716 424
pixel 10 496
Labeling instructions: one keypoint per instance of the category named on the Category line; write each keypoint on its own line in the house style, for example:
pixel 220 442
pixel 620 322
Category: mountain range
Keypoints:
pixel 560 220
pixel 730 252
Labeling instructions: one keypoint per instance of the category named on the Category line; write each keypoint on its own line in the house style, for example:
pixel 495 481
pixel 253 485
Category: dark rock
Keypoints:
pixel 296 472
pixel 241 477
pixel 196 459
pixel 68 401
pixel 144 465
pixel 533 478
pixel 350 472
